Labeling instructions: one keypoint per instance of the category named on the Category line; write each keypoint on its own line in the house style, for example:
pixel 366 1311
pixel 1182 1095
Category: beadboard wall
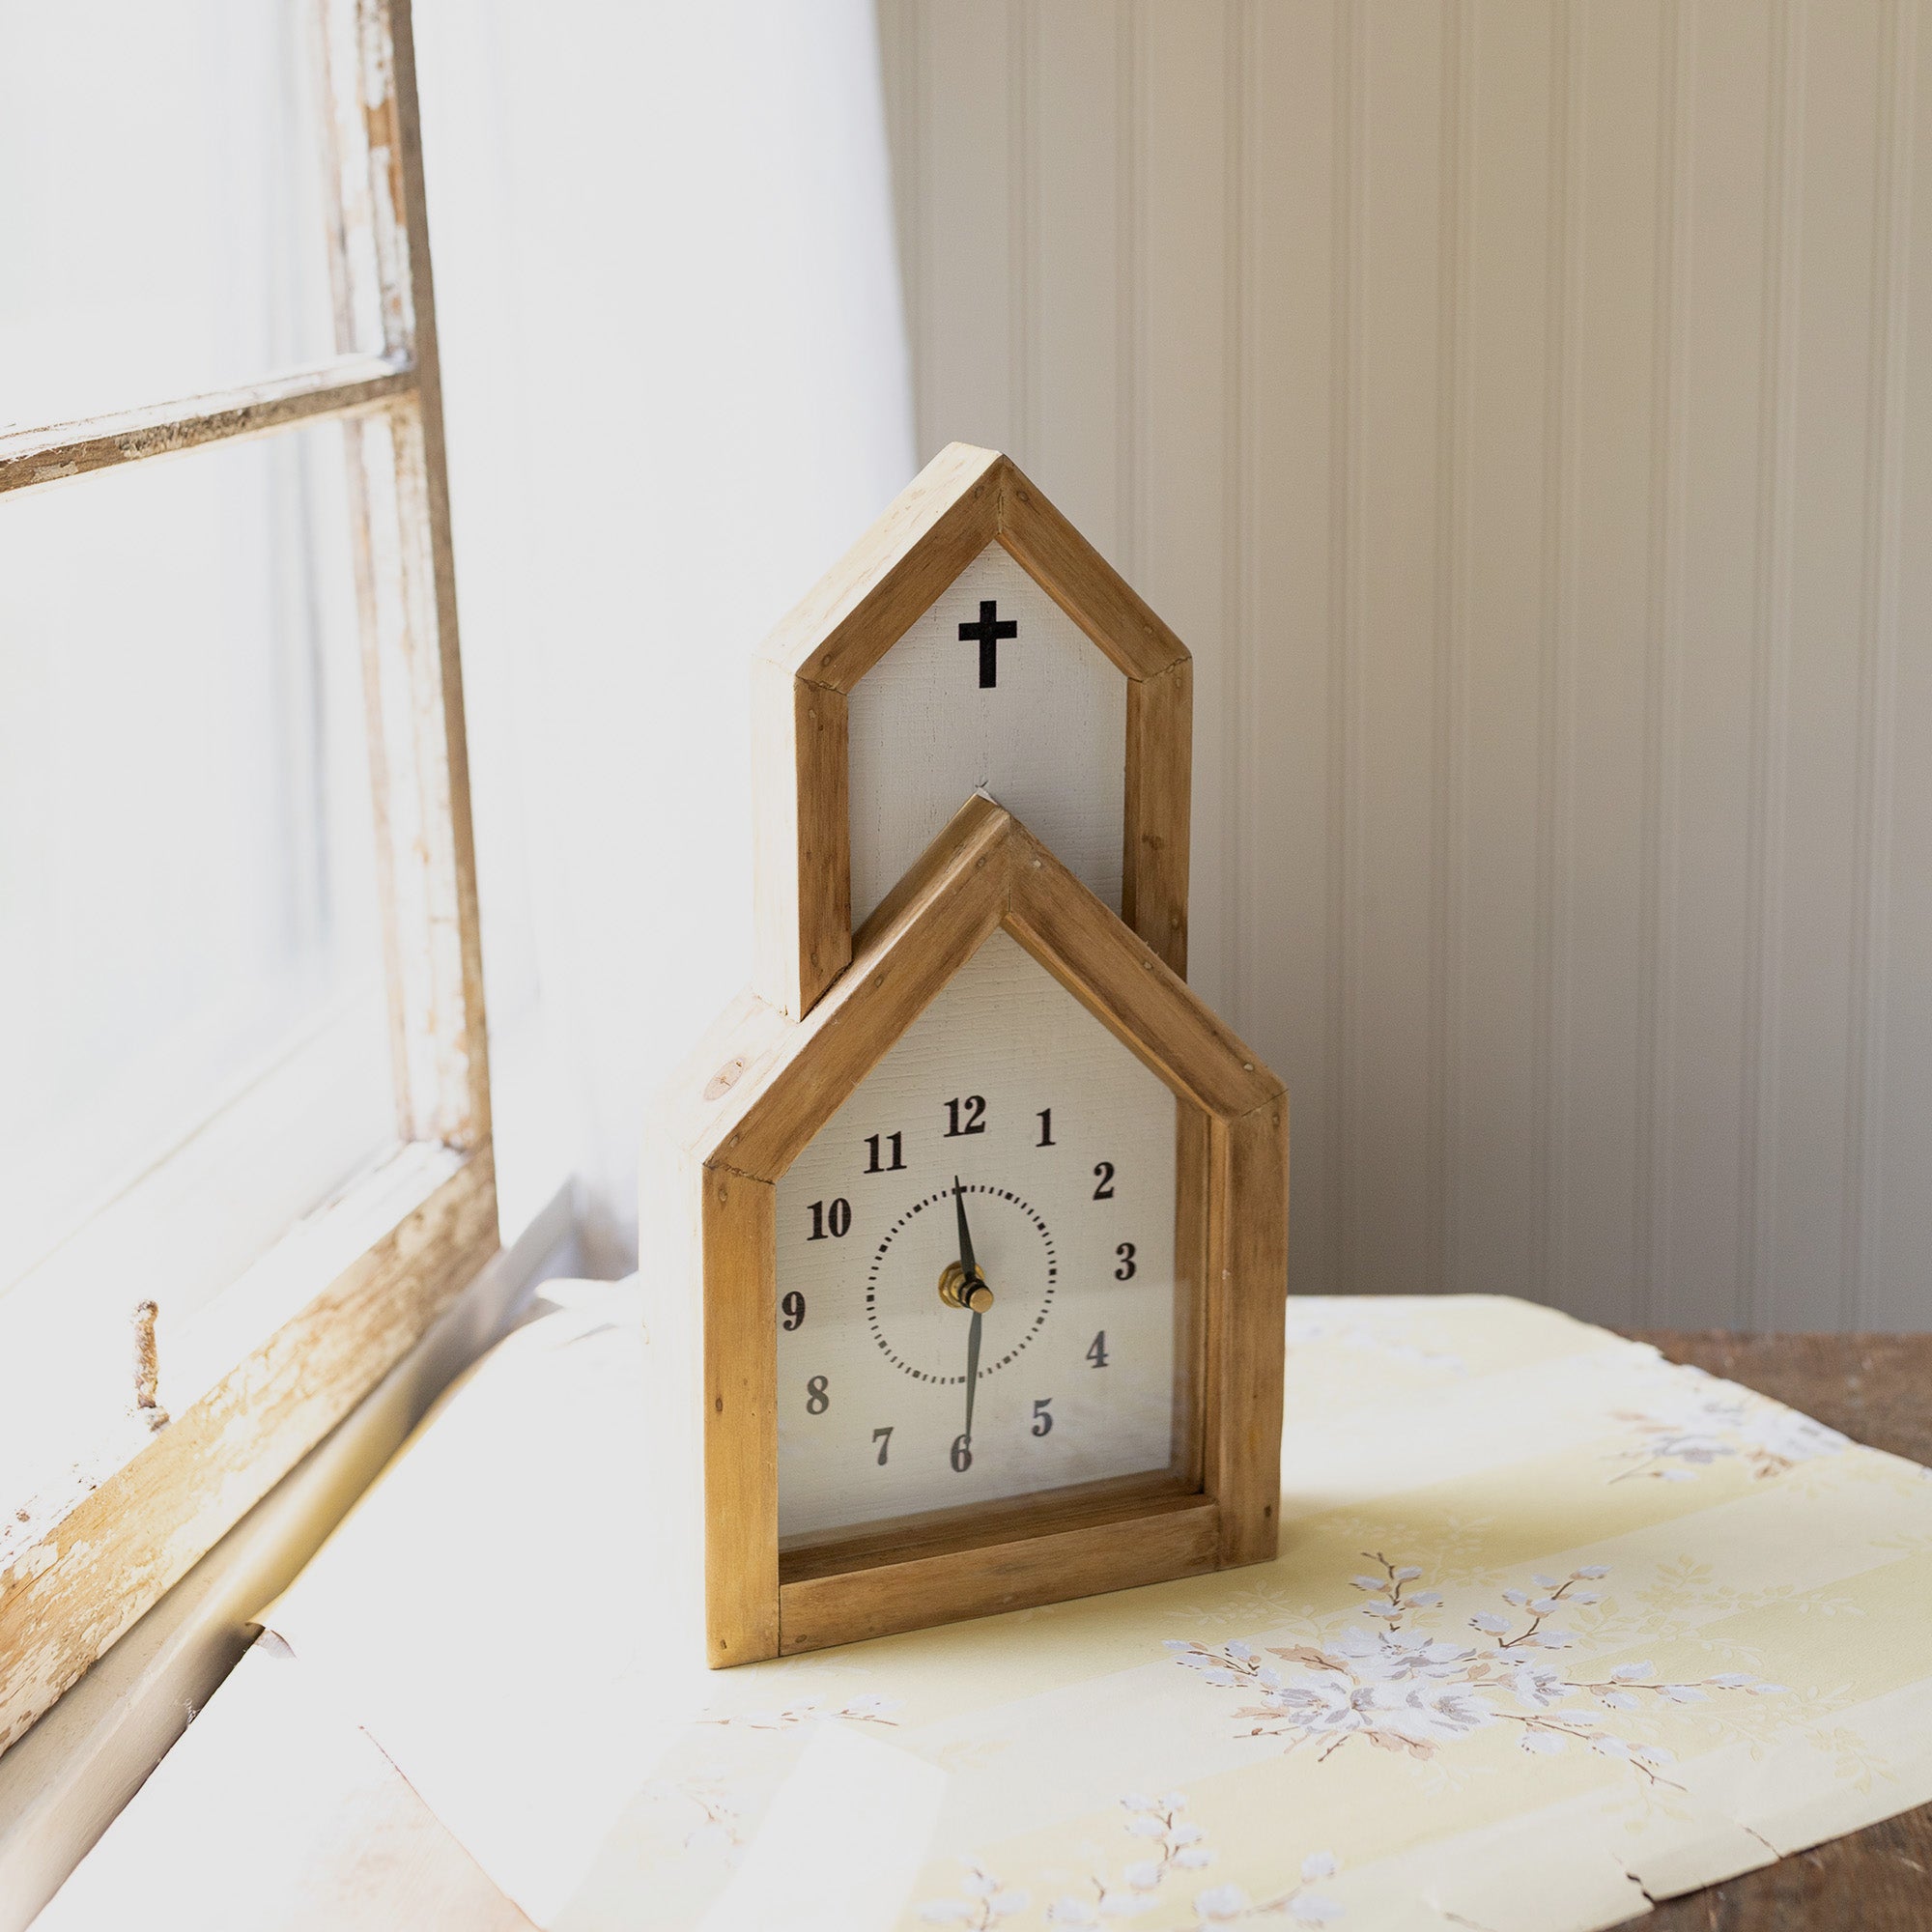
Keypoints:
pixel 1523 410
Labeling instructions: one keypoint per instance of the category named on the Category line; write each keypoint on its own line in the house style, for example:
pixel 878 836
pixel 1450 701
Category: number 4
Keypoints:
pixel 1097 1353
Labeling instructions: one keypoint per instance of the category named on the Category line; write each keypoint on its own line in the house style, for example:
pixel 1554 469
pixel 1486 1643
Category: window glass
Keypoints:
pixel 189 918
pixel 161 229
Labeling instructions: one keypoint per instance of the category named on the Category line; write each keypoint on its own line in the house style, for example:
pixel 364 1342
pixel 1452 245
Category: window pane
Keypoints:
pixel 189 920
pixel 162 230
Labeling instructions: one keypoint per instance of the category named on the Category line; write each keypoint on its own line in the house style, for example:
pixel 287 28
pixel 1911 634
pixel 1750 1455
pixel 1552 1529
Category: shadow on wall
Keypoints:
pixel 676 383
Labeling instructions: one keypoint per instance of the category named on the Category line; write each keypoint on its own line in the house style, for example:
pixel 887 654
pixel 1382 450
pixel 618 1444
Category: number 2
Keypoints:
pixel 1103 1172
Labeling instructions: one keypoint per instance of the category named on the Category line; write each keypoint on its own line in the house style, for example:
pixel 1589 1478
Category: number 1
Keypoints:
pixel 1046 1126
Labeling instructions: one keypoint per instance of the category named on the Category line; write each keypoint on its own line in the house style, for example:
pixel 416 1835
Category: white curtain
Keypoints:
pixel 676 387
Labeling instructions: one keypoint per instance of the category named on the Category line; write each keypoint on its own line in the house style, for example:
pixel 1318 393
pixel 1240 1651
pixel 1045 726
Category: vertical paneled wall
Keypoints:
pixel 1523 408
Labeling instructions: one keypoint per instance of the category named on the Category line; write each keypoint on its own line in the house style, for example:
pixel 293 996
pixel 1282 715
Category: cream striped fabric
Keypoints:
pixel 1555 1625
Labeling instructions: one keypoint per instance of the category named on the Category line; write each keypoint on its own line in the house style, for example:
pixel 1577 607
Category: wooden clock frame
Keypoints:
pixel 749 1104
pixel 964 500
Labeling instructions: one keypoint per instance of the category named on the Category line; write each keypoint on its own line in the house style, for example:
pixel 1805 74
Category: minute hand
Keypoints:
pixel 972 1371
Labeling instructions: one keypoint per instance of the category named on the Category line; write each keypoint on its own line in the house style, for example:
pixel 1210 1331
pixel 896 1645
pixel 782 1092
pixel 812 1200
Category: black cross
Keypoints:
pixel 988 630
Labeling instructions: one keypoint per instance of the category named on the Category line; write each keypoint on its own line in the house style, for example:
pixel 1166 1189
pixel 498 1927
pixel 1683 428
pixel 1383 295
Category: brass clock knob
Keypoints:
pixel 960 1290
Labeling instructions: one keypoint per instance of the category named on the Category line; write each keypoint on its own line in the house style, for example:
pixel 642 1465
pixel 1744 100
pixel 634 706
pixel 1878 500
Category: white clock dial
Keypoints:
pixel 1024 707
pixel 1006 1106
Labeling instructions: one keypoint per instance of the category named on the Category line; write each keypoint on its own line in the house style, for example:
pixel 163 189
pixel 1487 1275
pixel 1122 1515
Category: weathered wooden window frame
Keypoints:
pixel 327 1311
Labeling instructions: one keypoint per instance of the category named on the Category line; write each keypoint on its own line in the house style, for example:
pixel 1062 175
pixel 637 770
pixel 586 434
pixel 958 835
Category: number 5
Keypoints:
pixel 1042 1422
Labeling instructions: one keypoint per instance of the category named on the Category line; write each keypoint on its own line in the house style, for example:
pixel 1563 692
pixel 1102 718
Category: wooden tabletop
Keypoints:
pixel 1877 1389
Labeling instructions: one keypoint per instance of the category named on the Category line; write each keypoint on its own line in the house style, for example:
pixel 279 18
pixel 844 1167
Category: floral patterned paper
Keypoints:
pixel 1555 1627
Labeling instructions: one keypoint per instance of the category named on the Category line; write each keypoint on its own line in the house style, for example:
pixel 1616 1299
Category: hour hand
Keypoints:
pixel 966 1261
pixel 961 1285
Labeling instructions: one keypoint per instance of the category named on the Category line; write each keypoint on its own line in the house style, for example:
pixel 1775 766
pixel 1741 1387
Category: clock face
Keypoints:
pixel 996 689
pixel 922 1364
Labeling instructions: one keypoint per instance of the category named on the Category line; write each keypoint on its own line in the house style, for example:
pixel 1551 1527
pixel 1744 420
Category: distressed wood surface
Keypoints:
pixel 72 1586
pixel 75 1576
pixel 1877 1389
pixel 406 586
pixel 348 386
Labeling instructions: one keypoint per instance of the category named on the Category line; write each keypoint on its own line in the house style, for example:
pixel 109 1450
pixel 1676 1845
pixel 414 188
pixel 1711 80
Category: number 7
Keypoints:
pixel 884 1439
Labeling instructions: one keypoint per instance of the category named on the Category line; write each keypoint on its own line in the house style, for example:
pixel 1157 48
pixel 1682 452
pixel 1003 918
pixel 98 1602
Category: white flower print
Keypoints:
pixel 1696 1421
pixel 1405 1690
pixel 868 1709
pixel 982 1902
pixel 1167 1846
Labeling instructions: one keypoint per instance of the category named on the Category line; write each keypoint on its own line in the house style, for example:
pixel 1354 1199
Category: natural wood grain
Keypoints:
pixel 347 386
pixel 801 838
pixel 741 1430
pixel 1082 582
pixel 1247 1292
pixel 895 1539
pixel 70 1587
pixel 962 500
pixel 1154 824
pixel 759 1122
pixel 1873 1387
pixel 1122 979
pixel 862 606
pixel 750 1102
pixel 1193 1178
pixel 1154 1546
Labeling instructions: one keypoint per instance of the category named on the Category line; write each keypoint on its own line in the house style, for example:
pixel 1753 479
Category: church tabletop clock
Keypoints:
pixel 965 1234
